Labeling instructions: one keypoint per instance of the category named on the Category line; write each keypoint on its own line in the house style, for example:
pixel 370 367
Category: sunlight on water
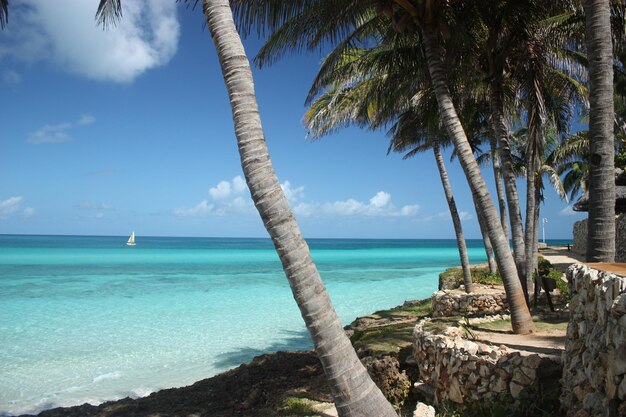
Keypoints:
pixel 86 319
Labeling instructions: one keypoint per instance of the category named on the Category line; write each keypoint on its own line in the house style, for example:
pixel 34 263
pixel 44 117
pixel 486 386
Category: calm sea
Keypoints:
pixel 88 319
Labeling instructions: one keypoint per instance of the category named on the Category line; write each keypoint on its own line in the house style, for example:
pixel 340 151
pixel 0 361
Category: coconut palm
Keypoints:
pixel 298 25
pixel 367 90
pixel 354 392
pixel 601 223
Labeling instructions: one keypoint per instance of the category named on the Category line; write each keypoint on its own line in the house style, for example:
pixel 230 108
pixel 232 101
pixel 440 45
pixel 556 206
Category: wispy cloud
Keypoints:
pixel 378 206
pixel 445 215
pixel 64 33
pixel 58 133
pixel 13 206
pixel 11 77
pixel 94 210
pixel 232 197
pixel 227 197
pixel 567 211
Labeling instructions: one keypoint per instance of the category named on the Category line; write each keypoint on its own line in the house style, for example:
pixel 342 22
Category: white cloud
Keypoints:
pixel 292 194
pixel 567 211
pixel 231 197
pixel 221 191
pixel 12 206
pixel 58 133
pixel 378 206
pixel 11 77
pixel 86 205
pixel 201 209
pixel 381 199
pixel 445 215
pixel 64 32
pixel 239 185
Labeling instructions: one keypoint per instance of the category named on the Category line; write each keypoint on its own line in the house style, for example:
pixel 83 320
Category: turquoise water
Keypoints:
pixel 88 319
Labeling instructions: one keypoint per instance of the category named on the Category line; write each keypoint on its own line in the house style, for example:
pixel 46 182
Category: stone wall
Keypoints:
pixel 464 371
pixel 580 238
pixel 485 301
pixel 594 360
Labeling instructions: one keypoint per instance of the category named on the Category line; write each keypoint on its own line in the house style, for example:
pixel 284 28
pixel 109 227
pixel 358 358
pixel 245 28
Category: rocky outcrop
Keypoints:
pixel 462 370
pixel 386 374
pixel 594 381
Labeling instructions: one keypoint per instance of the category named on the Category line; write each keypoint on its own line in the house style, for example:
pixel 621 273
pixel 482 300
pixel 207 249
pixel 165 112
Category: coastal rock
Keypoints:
pixel 386 374
pixel 424 410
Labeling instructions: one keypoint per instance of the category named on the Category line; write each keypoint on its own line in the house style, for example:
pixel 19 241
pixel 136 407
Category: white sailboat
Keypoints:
pixel 131 239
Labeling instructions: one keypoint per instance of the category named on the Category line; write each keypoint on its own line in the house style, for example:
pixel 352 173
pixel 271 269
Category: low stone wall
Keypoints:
pixel 484 301
pixel 464 371
pixel 595 353
pixel 580 238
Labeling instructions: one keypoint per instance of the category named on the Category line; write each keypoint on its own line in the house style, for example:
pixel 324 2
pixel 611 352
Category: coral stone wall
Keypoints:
pixel 459 303
pixel 465 371
pixel 580 237
pixel 594 371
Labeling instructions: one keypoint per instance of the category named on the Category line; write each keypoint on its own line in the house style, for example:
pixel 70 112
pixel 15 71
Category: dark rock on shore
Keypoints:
pixel 250 390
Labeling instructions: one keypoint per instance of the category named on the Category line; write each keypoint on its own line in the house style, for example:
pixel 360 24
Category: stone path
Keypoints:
pixel 560 257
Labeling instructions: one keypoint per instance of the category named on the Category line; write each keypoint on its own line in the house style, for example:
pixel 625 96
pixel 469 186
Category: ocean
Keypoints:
pixel 89 319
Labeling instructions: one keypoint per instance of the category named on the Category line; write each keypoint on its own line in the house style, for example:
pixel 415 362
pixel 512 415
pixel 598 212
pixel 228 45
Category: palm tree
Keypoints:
pixel 300 25
pixel 523 322
pixel 601 223
pixel 354 392
pixel 352 97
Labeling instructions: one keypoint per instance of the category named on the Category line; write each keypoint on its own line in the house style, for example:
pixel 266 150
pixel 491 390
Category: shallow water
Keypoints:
pixel 88 319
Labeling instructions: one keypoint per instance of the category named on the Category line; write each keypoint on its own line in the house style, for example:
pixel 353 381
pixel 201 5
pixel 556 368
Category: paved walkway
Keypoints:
pixel 561 257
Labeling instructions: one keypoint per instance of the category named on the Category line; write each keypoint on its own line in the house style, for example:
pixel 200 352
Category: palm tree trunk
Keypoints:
pixel 491 260
pixel 456 220
pixel 520 316
pixel 510 182
pixel 601 224
pixel 497 175
pixel 538 188
pixel 528 282
pixel 353 390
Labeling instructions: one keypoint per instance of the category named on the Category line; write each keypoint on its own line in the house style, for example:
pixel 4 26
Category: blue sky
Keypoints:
pixel 104 132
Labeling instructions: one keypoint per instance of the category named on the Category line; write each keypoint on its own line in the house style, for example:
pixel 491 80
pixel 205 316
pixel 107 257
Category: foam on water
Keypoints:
pixel 86 319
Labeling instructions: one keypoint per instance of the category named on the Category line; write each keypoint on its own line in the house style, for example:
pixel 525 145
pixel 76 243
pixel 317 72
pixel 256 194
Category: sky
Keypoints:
pixel 108 131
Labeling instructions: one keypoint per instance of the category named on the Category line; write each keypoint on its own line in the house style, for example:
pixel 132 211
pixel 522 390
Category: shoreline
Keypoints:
pixel 250 389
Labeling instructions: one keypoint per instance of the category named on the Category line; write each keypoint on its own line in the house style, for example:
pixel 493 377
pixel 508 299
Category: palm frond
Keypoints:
pixel 109 12
pixel 4 13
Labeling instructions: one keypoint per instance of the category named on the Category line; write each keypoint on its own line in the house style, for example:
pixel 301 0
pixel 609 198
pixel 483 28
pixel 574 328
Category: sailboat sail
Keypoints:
pixel 131 239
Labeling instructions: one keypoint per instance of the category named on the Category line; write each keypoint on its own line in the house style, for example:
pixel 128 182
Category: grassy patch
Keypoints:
pixel 546 323
pixel 480 275
pixel 440 324
pixel 391 338
pixel 295 406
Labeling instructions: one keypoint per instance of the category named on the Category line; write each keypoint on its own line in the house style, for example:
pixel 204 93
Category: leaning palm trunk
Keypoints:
pixel 510 182
pixel 601 227
pixel 456 220
pixel 521 320
pixel 353 390
pixel 497 175
pixel 528 283
pixel 491 261
pixel 536 237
